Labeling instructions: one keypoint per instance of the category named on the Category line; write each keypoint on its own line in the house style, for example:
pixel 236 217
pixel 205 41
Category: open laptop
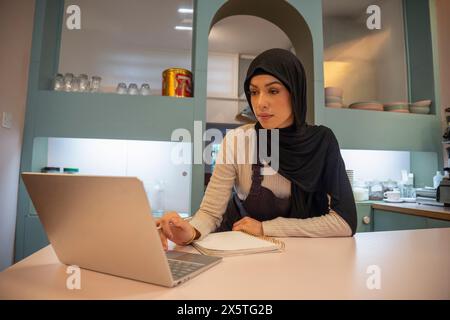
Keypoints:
pixel 105 224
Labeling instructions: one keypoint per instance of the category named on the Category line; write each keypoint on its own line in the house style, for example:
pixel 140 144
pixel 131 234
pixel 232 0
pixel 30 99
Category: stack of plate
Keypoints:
pixel 401 107
pixel 422 107
pixel 371 105
pixel 350 174
pixel 333 97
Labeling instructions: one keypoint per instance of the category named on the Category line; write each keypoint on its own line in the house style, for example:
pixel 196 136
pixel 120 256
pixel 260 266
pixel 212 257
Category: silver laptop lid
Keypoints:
pixel 100 223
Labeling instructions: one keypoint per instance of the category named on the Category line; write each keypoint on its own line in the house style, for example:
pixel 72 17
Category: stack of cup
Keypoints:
pixel 133 89
pixel 333 97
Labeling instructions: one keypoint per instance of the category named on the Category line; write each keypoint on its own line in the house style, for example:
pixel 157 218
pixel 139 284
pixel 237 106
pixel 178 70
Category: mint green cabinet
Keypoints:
pixel 388 220
pixel 435 223
pixel 365 218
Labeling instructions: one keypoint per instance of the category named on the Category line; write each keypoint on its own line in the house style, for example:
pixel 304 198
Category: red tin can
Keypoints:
pixel 177 82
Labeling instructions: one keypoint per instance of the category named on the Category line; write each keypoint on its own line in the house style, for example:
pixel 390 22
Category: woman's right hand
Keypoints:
pixel 175 229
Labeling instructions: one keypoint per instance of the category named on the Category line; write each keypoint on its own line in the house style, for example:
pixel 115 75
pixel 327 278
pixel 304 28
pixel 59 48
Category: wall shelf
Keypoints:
pixel 408 113
pixel 111 116
pixel 361 129
pixel 228 99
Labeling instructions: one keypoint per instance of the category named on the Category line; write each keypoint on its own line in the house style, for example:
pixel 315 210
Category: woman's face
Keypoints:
pixel 271 102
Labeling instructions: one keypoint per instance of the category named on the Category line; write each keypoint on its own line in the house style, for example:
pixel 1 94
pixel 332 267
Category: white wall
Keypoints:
pixel 124 41
pixel 150 161
pixel 119 63
pixel 368 64
pixel 222 104
pixel 16 24
pixel 376 165
pixel 391 69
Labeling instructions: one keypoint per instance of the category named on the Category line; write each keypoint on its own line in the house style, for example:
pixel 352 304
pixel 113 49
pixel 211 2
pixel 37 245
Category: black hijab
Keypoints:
pixel 309 155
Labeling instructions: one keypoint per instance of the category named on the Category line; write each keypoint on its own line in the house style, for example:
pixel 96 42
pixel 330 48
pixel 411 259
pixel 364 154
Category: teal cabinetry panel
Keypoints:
pixel 435 223
pixel 376 130
pixel 419 51
pixel 424 166
pixel 35 236
pixel 110 116
pixel 365 219
pixel 388 221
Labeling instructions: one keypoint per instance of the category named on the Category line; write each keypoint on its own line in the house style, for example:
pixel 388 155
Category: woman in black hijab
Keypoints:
pixel 309 158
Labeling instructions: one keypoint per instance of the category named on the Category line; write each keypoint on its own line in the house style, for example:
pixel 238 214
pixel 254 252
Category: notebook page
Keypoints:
pixel 233 241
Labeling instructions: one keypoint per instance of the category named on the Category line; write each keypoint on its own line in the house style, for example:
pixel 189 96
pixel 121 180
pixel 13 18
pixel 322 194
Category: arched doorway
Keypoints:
pixel 233 43
pixel 291 22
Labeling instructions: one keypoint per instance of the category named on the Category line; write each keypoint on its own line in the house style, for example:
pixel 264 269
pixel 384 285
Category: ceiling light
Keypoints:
pixel 183 28
pixel 185 10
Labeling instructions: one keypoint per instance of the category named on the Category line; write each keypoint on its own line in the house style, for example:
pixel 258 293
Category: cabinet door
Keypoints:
pixel 387 221
pixel 435 223
pixel 365 220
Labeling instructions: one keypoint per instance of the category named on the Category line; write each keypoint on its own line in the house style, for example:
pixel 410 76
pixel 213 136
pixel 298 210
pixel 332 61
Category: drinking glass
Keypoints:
pixel 145 89
pixel 133 89
pixel 58 84
pixel 68 78
pixel 84 82
pixel 75 84
pixel 95 83
pixel 121 88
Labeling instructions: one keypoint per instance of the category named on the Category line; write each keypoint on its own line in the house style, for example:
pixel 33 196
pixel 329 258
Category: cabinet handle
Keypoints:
pixel 366 219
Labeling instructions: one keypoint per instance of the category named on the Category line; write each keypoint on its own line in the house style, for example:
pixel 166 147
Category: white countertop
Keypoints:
pixel 413 264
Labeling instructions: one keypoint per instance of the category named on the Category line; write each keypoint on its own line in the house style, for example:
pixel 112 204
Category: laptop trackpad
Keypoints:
pixel 191 257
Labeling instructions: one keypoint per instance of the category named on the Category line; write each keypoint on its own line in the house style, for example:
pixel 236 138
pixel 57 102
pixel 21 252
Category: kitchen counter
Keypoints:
pixel 412 264
pixel 434 212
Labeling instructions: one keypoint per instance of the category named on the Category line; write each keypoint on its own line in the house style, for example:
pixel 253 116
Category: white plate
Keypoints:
pixel 393 201
pixel 408 199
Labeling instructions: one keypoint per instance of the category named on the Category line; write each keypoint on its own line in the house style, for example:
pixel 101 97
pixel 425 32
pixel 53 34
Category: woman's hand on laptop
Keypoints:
pixel 175 228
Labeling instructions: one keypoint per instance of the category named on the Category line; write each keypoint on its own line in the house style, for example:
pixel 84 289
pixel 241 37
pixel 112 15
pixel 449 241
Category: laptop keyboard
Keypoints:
pixel 181 268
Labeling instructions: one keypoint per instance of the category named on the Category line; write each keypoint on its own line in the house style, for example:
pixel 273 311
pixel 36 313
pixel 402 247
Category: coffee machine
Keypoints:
pixel 443 191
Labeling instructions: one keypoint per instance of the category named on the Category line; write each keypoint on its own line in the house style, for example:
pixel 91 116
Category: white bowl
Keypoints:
pixel 395 104
pixel 333 99
pixel 333 105
pixel 422 103
pixel 419 110
pixel 370 105
pixel 333 91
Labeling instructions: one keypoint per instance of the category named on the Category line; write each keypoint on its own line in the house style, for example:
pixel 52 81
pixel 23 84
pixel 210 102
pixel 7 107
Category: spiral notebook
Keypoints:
pixel 232 243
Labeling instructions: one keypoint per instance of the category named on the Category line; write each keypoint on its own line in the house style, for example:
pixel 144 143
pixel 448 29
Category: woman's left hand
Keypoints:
pixel 250 225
